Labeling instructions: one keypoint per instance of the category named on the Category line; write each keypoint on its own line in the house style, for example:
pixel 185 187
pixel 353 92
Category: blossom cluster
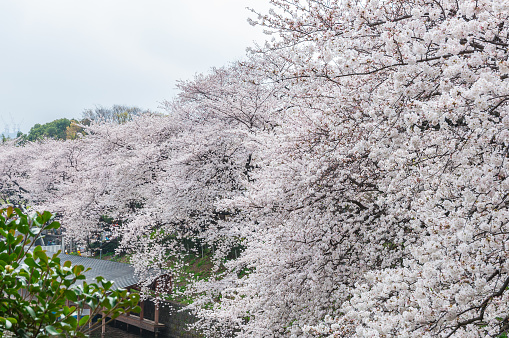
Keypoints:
pixel 360 159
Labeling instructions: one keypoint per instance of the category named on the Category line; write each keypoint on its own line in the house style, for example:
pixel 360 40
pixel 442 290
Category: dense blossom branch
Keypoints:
pixel 358 162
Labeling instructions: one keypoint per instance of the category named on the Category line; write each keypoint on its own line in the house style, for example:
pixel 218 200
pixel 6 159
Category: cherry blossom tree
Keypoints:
pixel 381 206
pixel 360 159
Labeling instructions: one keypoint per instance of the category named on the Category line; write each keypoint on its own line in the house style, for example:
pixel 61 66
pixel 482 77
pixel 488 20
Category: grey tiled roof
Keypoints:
pixel 120 273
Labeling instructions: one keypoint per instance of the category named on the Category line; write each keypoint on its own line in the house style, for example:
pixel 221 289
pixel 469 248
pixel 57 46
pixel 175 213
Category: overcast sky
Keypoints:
pixel 59 57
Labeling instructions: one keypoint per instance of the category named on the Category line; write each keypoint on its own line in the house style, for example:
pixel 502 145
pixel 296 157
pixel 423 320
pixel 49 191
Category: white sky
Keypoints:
pixel 59 57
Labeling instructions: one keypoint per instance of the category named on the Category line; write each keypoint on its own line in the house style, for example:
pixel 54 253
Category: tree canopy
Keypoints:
pixel 359 159
pixel 55 130
pixel 115 114
pixel 62 129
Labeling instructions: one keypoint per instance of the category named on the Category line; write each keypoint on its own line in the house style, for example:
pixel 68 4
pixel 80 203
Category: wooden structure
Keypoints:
pixel 142 323
pixel 123 277
pixel 160 284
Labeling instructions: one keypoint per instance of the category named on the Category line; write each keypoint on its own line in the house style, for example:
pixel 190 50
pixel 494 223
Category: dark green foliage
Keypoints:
pixel 55 129
pixel 34 287
pixel 102 241
pixel 108 247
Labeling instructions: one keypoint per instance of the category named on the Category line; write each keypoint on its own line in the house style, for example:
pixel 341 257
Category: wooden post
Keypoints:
pixel 142 312
pixel 156 315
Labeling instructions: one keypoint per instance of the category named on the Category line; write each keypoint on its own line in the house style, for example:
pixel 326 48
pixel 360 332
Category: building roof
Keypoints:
pixel 120 273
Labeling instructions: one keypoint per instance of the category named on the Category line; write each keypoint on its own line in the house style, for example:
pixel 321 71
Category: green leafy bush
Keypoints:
pixel 35 287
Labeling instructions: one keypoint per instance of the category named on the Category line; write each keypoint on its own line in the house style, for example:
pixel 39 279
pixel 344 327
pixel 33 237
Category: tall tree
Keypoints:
pixel 360 158
pixel 55 130
pixel 116 114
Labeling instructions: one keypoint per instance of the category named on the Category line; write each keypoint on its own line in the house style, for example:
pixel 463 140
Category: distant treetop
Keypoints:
pixel 116 114
pixel 55 129
pixel 63 129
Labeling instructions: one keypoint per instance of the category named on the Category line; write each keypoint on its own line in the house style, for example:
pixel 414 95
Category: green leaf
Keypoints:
pixel 45 216
pixel 84 320
pixel 77 269
pixel 53 225
pixel 112 301
pixel 31 312
pixel 35 231
pixel 13 320
pixel 41 255
pixel 71 295
pixel 70 277
pixel 66 326
pixel 72 321
pixel 23 229
pixel 51 330
pixel 92 302
pixel 30 262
